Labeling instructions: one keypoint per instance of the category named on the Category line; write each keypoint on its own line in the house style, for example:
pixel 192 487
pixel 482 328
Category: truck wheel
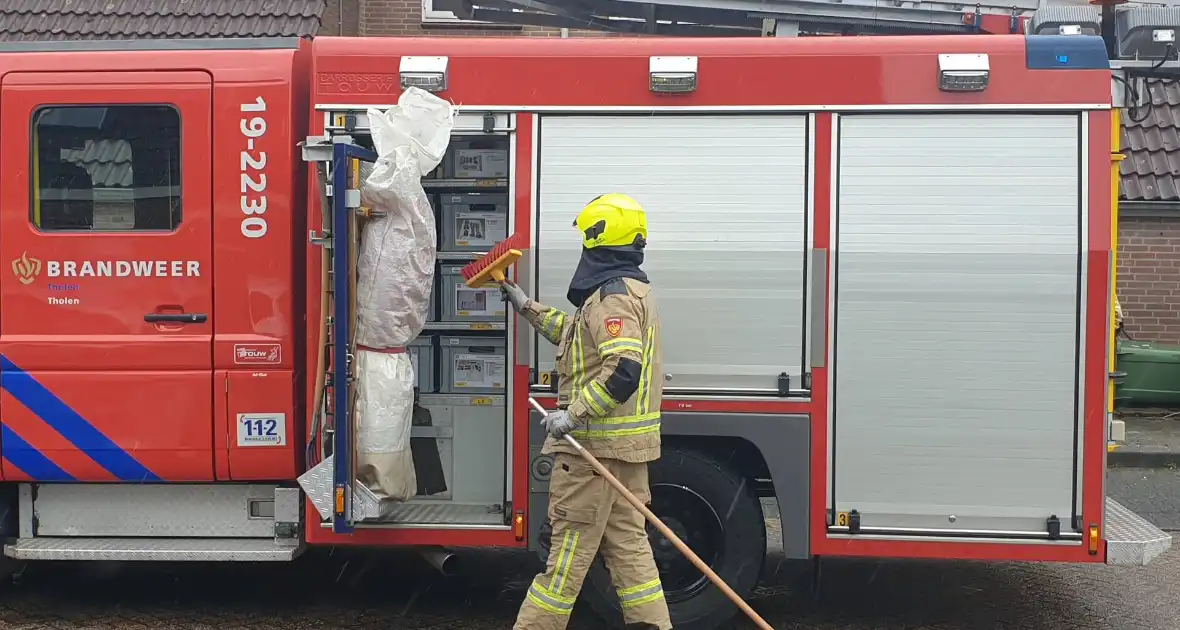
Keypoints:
pixel 719 516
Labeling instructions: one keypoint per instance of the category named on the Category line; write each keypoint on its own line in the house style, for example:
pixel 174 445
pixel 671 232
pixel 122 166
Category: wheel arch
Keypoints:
pixel 781 443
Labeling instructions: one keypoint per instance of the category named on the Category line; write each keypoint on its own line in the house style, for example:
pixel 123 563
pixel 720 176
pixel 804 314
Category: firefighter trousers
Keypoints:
pixel 589 516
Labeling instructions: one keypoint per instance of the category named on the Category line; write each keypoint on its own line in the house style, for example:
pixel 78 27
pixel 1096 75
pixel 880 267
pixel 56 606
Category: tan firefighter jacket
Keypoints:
pixel 619 321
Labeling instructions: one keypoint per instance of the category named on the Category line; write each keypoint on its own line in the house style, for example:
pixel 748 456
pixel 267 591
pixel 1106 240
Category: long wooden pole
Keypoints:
pixel 654 520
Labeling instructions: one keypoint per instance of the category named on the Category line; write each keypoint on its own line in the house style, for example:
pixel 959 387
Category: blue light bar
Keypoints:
pixel 1065 52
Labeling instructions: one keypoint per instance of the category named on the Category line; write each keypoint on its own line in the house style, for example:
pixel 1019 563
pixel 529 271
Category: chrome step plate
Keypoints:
pixel 1130 539
pixel 153 549
pixel 318 485
pixel 440 513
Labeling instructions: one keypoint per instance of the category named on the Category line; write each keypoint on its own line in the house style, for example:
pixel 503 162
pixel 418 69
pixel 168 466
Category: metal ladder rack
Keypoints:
pixel 771 17
pixel 336 158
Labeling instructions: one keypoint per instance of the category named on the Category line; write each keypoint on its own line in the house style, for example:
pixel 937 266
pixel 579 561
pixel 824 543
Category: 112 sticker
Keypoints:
pixel 262 429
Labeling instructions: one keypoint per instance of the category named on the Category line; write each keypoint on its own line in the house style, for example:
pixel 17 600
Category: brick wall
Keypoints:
pixel 1149 277
pixel 341 17
pixel 404 17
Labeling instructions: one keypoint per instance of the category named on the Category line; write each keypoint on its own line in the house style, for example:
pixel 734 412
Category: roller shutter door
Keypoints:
pixel 956 321
pixel 726 199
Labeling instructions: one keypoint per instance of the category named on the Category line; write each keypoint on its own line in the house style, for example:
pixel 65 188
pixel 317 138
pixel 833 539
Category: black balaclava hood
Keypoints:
pixel 600 264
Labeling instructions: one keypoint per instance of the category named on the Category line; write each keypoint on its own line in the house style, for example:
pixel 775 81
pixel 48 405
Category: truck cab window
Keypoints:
pixel 106 168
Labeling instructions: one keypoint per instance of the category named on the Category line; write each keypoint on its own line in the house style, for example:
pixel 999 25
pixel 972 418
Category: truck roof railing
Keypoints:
pixel 721 17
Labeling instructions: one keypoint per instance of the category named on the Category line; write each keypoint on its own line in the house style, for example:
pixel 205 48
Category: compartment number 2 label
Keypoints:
pixel 262 429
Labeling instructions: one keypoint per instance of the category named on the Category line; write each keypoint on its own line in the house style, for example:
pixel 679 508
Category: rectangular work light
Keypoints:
pixel 1147 32
pixel 426 73
pixel 1065 20
pixel 672 74
pixel 962 72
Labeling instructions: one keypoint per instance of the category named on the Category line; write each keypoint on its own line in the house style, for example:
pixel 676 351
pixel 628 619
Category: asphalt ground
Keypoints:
pixel 400 591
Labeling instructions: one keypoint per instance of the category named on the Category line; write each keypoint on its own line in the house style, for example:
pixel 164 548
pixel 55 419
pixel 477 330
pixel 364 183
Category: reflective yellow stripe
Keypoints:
pixel 550 598
pixel 569 561
pixel 549 601
pixel 565 555
pixel 642 594
pixel 622 344
pixel 579 371
pixel 620 426
pixel 601 402
pixel 643 400
pixel 551 325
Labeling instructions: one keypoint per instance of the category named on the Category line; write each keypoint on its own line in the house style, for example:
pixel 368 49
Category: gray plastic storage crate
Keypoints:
pixel 422 356
pixel 472 365
pixel 473 222
pixel 477 159
pixel 461 303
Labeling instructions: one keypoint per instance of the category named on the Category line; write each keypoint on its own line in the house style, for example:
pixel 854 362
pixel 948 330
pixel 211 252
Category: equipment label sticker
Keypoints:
pixel 262 429
pixel 258 353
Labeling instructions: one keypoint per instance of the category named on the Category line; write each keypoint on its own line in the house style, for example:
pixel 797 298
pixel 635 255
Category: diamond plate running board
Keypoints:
pixel 1130 539
pixel 317 484
pixel 443 513
pixel 153 549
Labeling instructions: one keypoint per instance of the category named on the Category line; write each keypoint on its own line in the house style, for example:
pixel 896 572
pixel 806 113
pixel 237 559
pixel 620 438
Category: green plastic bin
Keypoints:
pixel 1152 374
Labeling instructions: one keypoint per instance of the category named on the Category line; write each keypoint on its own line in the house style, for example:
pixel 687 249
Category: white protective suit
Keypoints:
pixel 395 277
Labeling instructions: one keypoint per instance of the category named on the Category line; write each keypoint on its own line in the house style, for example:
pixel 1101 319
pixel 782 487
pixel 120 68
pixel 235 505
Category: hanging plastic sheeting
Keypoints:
pixel 395 277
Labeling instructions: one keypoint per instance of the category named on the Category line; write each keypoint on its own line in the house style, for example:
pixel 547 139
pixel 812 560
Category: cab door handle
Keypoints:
pixel 176 318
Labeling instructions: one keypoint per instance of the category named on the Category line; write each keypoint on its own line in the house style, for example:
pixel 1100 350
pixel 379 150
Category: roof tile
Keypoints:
pixel 39 20
pixel 1152 146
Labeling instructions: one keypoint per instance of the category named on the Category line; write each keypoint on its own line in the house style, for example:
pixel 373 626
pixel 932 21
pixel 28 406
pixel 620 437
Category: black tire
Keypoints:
pixel 714 511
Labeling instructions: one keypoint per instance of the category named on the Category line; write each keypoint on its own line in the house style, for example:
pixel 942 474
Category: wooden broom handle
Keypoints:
pixel 664 529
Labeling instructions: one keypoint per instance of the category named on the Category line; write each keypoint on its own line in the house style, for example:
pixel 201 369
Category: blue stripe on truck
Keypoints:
pixel 29 460
pixel 71 425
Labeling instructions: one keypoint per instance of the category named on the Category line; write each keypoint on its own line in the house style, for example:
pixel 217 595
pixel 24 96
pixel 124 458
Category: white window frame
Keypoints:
pixel 430 16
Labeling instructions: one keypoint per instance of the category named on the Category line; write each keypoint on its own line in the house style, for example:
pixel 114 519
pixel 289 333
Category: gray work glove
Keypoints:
pixel 514 295
pixel 559 423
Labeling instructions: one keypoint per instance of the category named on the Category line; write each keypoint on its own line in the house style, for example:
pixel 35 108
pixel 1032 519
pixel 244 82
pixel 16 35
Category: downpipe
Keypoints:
pixel 440 558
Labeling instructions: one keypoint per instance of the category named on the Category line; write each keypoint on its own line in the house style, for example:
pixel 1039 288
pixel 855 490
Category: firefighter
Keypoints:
pixel 609 389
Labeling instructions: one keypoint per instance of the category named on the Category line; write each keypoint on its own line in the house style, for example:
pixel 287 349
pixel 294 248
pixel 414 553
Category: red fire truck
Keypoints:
pixel 884 264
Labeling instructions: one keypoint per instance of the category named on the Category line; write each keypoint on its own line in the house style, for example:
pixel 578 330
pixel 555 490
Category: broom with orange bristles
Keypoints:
pixel 493 266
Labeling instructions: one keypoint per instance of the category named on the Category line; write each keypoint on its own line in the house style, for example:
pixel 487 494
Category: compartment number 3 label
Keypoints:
pixel 262 429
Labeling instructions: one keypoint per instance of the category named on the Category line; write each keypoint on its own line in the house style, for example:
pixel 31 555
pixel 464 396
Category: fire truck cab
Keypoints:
pixel 884 267
pixel 144 310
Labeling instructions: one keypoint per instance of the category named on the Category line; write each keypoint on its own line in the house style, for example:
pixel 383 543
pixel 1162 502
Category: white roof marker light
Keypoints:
pixel 963 72
pixel 672 75
pixel 427 73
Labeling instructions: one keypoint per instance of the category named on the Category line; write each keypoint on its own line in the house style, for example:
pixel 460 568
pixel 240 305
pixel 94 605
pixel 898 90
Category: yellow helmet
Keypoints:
pixel 612 220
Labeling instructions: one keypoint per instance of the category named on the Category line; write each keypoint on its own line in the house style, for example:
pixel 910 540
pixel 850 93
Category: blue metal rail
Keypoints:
pixel 344 444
